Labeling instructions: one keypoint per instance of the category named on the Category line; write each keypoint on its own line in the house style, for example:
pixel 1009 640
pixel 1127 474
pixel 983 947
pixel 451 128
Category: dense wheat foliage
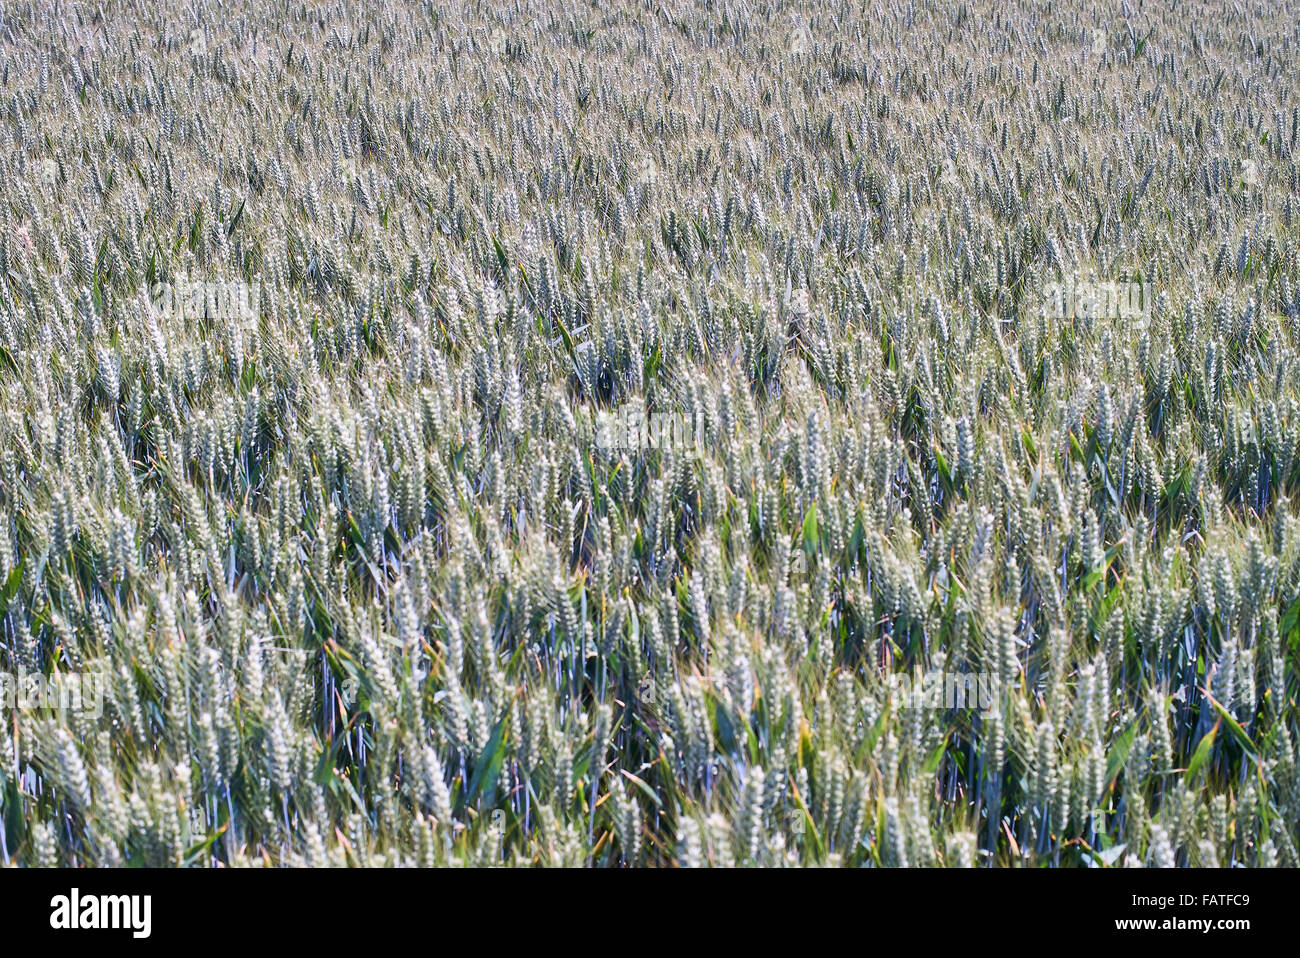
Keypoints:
pixel 366 585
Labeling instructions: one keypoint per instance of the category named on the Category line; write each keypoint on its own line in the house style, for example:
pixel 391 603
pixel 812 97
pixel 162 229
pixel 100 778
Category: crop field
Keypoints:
pixel 624 433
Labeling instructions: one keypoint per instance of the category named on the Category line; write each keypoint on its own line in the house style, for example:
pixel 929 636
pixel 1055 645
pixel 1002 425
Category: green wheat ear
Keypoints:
pixel 932 369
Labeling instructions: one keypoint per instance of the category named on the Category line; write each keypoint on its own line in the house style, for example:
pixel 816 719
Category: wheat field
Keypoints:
pixel 441 434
